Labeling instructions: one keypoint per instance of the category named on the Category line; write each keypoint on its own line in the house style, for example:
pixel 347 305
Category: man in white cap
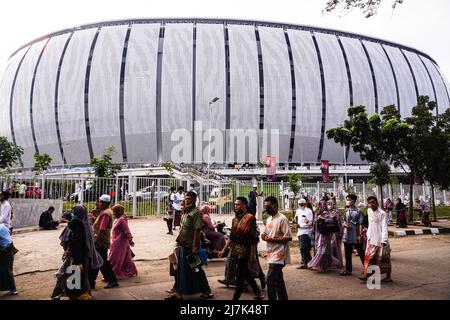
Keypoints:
pixel 252 199
pixel 102 235
pixel 304 220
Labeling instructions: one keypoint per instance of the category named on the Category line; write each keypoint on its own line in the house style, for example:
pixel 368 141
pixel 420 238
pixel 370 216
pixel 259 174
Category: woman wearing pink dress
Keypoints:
pixel 121 242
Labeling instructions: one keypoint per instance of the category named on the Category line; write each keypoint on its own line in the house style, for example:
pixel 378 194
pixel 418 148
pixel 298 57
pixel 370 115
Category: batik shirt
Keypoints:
pixel 278 226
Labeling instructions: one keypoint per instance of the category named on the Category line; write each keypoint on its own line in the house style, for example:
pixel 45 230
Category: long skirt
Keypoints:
pixel 323 260
pixel 83 289
pixel 336 248
pixel 121 258
pixel 190 281
pixel 377 256
pixel 230 270
pixel 7 282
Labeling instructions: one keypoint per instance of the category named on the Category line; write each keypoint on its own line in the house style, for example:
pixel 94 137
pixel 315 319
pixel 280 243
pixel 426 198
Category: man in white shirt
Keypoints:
pixel 177 198
pixel 304 220
pixel 5 209
pixel 378 252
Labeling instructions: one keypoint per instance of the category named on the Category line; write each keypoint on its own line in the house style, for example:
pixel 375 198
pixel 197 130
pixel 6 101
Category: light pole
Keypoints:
pixel 214 100
pixel 345 166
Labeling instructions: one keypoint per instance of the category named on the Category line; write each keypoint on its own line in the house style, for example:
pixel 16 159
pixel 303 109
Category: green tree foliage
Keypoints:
pixel 417 143
pixel 169 166
pixel 420 142
pixel 428 151
pixel 9 153
pixel 369 7
pixel 41 162
pixel 294 180
pixel 104 166
pixel 371 137
pixel 380 173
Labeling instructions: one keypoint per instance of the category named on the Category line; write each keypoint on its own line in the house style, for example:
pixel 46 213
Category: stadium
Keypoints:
pixel 132 83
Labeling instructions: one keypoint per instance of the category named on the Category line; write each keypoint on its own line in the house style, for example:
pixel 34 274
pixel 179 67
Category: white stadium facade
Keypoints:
pixel 131 83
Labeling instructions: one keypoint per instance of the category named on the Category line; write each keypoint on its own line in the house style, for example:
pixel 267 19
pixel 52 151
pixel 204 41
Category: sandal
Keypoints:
pixel 173 297
pixel 345 273
pixel 206 296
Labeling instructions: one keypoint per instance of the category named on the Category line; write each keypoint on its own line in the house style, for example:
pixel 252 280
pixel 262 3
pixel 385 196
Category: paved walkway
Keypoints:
pixel 40 250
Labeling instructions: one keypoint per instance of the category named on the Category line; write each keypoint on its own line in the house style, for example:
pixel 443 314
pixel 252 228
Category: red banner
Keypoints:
pixel 271 168
pixel 325 168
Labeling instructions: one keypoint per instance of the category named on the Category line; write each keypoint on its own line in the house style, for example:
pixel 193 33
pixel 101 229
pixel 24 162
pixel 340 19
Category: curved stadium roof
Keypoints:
pixel 130 83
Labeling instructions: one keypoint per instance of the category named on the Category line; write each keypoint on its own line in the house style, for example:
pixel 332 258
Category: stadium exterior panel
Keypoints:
pixel 131 83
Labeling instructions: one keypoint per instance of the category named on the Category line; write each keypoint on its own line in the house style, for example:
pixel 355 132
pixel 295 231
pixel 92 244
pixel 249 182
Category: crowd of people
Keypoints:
pixel 101 240
pixel 98 241
pixel 321 232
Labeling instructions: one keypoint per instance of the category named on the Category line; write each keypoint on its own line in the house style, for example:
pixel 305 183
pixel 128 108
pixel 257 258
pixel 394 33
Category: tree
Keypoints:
pixel 411 149
pixel 436 154
pixel 294 180
pixel 380 173
pixel 372 138
pixel 369 7
pixel 41 162
pixel 104 166
pixel 169 166
pixel 9 153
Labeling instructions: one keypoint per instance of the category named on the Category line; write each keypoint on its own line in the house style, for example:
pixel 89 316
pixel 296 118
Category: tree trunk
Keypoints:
pixel 433 203
pixel 411 186
pixel 381 196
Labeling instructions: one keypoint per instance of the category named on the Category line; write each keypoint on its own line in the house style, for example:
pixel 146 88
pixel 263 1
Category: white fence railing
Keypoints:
pixel 144 196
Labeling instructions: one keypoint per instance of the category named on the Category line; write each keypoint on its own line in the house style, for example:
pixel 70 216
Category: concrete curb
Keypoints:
pixel 415 232
pixel 35 228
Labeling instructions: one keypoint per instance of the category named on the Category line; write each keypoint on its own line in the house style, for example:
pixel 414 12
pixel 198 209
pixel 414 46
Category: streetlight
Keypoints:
pixel 345 165
pixel 214 100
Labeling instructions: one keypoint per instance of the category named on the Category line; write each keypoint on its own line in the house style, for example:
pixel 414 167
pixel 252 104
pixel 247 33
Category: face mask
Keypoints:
pixel 348 203
pixel 269 210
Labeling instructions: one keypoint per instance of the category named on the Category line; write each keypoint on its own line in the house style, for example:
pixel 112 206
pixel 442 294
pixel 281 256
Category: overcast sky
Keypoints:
pixel 422 24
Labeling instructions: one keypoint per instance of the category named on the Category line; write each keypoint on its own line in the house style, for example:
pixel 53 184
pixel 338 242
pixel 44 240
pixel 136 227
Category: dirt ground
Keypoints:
pixel 420 270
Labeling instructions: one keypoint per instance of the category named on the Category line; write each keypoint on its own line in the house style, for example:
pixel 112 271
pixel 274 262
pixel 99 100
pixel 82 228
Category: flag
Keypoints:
pixel 271 168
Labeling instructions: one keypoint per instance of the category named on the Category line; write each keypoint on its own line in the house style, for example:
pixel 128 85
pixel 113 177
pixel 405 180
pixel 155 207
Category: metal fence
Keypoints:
pixel 145 196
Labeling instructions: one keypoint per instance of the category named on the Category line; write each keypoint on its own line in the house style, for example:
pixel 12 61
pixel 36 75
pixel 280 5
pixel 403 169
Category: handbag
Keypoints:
pixel 327 226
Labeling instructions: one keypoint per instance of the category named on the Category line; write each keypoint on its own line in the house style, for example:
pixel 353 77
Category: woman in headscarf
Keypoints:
pixel 400 210
pixel 324 259
pixel 79 256
pixel 120 255
pixel 336 239
pixel 217 238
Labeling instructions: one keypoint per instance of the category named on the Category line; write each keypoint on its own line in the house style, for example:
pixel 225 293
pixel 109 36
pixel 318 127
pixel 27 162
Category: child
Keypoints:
pixel 168 217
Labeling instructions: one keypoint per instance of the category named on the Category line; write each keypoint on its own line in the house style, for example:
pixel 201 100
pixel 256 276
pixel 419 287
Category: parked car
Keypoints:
pixel 222 197
pixel 150 193
pixel 287 192
pixel 34 193
pixel 89 195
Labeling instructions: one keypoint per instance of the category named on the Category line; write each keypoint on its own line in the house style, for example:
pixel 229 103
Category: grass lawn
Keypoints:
pixel 143 208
